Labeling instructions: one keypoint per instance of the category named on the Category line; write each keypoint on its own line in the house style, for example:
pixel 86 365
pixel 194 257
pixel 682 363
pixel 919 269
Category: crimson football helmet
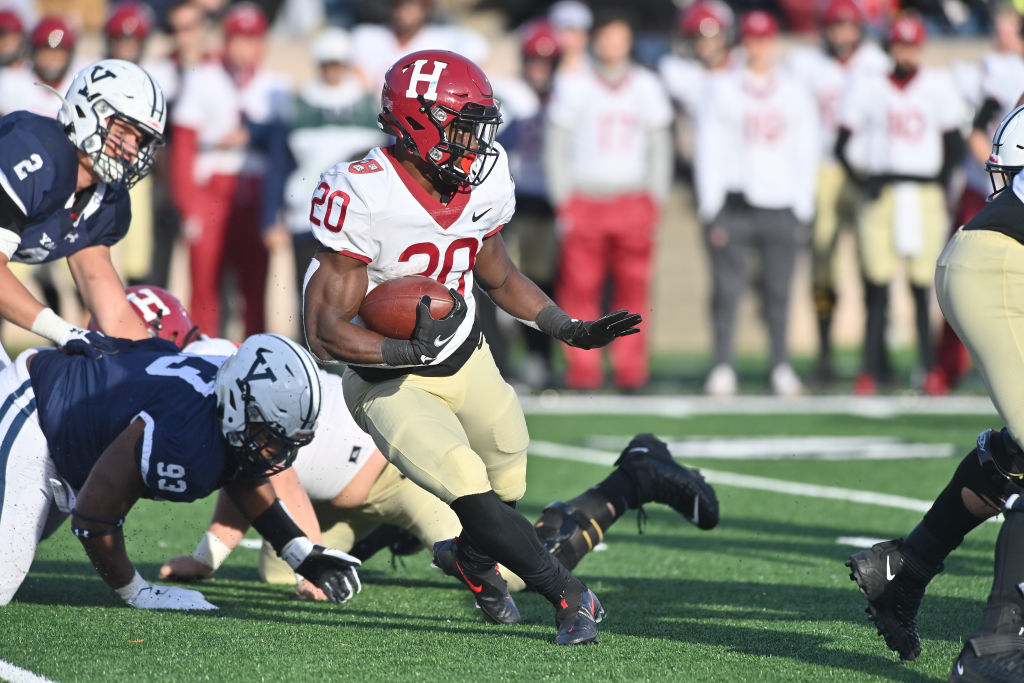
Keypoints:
pixel 162 312
pixel 705 18
pixel 129 20
pixel 441 108
pixel 838 11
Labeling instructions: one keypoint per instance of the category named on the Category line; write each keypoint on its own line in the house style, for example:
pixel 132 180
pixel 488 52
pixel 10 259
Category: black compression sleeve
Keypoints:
pixel 277 526
pixel 988 110
pixel 11 216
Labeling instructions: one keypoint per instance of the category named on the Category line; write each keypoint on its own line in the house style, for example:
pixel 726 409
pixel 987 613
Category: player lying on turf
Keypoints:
pixel 90 436
pixel 434 204
pixel 979 282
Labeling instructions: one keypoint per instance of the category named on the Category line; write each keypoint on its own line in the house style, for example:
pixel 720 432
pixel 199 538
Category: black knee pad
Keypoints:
pixel 567 533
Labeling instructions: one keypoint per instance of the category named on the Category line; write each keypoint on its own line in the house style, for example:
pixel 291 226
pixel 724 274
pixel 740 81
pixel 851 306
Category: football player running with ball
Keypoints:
pixel 985 256
pixel 90 436
pixel 434 204
pixel 63 194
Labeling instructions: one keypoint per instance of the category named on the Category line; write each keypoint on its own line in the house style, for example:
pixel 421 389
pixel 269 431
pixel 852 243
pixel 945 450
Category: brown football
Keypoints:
pixel 390 307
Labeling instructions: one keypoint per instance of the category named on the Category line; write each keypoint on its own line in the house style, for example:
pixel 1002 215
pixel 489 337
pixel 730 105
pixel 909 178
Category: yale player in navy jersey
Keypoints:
pixel 63 194
pixel 90 436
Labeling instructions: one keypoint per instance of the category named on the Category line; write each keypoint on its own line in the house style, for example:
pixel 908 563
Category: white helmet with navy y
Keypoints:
pixel 110 91
pixel 268 402
pixel 1007 157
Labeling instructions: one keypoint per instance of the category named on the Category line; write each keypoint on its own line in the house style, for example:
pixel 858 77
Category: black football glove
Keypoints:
pixel 430 337
pixel 85 343
pixel 587 334
pixel 333 571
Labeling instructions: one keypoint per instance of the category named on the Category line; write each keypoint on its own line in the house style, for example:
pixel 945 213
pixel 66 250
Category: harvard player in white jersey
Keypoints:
pixel 436 406
pixel 909 123
pixel 52 49
pixel 708 25
pixel 756 203
pixel 828 71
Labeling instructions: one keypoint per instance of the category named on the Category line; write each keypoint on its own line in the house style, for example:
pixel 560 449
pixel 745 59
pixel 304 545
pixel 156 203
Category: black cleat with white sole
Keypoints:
pixel 489 588
pixel 894 590
pixel 995 658
pixel 660 479
pixel 577 623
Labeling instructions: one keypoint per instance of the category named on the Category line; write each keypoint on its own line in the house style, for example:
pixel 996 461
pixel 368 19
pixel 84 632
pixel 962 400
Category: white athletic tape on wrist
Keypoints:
pixel 296 550
pixel 133 587
pixel 50 325
pixel 211 551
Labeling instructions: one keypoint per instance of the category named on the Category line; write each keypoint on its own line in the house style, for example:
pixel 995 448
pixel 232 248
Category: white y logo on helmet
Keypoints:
pixel 430 79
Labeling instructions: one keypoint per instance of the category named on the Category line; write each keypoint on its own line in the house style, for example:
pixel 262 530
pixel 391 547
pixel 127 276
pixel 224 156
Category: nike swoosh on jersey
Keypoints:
pixel 441 342
pixel 478 216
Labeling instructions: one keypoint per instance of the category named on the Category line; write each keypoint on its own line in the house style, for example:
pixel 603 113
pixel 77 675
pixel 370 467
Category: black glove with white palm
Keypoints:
pixel 429 338
pixel 333 571
pixel 587 334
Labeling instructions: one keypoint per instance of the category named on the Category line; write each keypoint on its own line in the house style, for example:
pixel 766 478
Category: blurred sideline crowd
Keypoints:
pixel 785 147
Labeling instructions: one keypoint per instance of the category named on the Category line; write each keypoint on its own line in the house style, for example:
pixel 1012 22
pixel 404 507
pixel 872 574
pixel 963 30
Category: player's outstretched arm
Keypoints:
pixel 333 571
pixel 521 298
pixel 103 293
pixel 228 526
pixel 113 486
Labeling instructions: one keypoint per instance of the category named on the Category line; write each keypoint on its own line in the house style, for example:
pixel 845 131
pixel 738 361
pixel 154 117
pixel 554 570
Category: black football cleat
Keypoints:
pixel 577 624
pixel 996 658
pixel 489 588
pixel 893 596
pixel 659 478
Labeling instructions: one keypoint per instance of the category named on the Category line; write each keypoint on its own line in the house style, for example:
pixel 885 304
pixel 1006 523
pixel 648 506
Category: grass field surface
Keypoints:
pixel 764 596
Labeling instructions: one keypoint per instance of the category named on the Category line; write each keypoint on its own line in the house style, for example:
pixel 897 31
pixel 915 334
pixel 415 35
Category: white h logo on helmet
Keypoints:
pixel 148 303
pixel 430 79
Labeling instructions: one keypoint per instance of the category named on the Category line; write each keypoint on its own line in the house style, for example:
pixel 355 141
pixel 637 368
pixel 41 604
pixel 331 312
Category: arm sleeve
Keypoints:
pixel 808 149
pixel 660 160
pixel 986 113
pixel 340 219
pixel 708 167
pixel 952 153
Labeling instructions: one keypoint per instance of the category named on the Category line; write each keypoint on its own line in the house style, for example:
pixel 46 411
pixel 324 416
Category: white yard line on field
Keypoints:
pixel 686 406
pixel 791 447
pixel 15 674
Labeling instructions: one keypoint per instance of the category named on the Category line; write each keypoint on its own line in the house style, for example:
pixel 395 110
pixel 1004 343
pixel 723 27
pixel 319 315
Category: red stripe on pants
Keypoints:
pixel 228 210
pixel 607 238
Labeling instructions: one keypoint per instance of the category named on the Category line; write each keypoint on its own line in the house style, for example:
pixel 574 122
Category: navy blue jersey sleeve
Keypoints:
pixel 110 223
pixel 38 165
pixel 174 465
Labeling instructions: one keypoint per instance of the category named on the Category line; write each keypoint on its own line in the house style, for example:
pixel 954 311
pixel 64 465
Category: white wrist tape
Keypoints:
pixel 211 551
pixel 50 325
pixel 132 589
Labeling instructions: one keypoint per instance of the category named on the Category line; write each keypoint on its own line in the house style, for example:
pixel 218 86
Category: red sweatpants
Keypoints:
pixel 229 238
pixel 607 237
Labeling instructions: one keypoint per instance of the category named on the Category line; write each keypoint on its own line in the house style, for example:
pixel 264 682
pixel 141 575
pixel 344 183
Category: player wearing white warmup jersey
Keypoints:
pixel 708 25
pixel 755 168
pixel 52 47
pixel 608 163
pixel 435 403
pixel 909 123
pixel 828 71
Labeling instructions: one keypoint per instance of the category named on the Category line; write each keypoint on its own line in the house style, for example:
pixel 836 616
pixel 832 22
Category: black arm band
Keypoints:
pixel 398 352
pixel 277 526
pixel 986 112
pixel 553 321
pixel 92 533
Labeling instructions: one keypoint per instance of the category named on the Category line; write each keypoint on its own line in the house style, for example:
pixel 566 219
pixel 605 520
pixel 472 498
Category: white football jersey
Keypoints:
pixel 903 124
pixel 373 211
pixel 19 89
pixel 828 78
pixel 1002 79
pixel 687 81
pixel 609 123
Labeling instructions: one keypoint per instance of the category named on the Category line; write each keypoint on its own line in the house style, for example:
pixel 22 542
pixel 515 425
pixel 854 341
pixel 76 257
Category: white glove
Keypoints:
pixel 142 595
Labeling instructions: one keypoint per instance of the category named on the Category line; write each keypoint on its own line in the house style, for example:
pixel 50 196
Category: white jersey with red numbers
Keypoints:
pixel 1001 78
pixel 903 123
pixel 213 105
pixel 374 211
pixel 758 137
pixel 19 90
pixel 339 449
pixel 609 125
pixel 828 78
pixel 687 81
